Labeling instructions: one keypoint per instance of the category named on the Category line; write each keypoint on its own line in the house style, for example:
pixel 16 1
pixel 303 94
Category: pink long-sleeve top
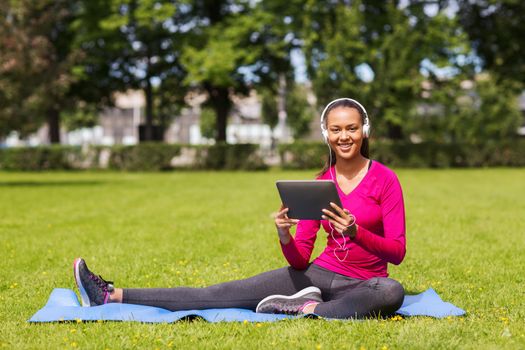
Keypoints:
pixel 377 203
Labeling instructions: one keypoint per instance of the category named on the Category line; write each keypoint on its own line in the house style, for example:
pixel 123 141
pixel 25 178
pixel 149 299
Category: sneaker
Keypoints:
pixel 291 305
pixel 94 290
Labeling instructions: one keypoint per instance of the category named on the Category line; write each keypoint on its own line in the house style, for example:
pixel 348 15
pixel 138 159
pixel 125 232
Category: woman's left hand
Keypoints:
pixel 341 220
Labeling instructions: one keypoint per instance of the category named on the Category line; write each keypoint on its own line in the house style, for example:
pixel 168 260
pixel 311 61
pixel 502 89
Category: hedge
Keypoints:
pixel 229 157
pixel 150 156
pixel 303 155
pixel 312 155
pixel 40 158
pixel 299 155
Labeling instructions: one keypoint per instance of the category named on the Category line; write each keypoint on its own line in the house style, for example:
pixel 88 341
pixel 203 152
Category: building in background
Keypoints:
pixel 245 123
pixel 120 124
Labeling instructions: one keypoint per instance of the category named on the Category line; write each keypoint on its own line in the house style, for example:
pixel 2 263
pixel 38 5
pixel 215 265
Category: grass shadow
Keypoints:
pixel 50 183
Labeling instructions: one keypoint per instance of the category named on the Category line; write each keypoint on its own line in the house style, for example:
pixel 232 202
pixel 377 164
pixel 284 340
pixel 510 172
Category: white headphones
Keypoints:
pixel 366 125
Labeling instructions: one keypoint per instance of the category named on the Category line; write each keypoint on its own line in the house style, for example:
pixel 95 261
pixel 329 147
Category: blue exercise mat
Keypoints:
pixel 430 304
pixel 63 305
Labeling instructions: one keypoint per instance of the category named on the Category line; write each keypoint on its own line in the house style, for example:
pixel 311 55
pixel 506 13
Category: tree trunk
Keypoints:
pixel 148 134
pixel 283 130
pixel 221 104
pixel 53 123
pixel 395 132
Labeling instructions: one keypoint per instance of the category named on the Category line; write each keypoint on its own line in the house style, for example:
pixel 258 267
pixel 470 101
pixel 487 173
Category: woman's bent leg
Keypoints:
pixel 244 293
pixel 377 296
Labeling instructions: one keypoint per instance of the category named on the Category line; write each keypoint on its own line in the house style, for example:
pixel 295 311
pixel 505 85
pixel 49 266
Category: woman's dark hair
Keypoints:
pixel 365 152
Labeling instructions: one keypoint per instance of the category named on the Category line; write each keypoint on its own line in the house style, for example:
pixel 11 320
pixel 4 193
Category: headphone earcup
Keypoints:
pixel 366 131
pixel 324 132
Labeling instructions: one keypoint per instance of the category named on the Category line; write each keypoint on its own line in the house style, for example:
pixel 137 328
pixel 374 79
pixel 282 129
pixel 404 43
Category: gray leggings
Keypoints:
pixel 344 297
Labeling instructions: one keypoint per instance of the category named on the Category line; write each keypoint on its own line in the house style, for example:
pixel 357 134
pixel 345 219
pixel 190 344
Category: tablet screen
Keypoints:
pixel 305 199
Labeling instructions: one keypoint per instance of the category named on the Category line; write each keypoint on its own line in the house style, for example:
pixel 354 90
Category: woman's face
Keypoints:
pixel 345 132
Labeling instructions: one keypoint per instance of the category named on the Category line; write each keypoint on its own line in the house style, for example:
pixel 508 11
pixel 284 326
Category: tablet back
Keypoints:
pixel 306 199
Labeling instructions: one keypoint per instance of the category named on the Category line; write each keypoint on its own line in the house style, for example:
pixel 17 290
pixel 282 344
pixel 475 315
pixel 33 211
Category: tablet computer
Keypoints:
pixel 306 198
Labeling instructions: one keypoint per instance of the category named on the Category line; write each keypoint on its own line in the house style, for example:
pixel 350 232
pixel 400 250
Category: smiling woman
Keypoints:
pixel 349 279
pixel 366 234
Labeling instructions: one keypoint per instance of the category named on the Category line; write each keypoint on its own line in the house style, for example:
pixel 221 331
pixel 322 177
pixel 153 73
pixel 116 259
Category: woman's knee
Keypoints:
pixel 392 292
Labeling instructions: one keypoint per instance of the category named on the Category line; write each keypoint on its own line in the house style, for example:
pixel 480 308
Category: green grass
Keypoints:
pixel 465 239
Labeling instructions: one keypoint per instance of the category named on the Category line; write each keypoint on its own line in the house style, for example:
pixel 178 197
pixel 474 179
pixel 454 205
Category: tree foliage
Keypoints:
pixel 299 111
pixel 408 62
pixel 144 48
pixel 37 68
pixel 269 110
pixel 375 53
pixel 496 31
pixel 235 46
pixel 468 111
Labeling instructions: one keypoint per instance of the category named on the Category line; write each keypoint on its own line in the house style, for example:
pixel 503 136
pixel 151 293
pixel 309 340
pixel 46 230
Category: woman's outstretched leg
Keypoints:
pixel 244 293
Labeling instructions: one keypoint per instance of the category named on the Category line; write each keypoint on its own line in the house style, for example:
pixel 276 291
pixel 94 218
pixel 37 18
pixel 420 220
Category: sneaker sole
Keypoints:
pixel 296 295
pixel 83 295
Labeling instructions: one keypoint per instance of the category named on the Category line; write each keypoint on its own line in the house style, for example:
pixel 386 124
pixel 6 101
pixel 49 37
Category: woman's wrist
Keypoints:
pixel 356 228
pixel 284 237
pixel 351 231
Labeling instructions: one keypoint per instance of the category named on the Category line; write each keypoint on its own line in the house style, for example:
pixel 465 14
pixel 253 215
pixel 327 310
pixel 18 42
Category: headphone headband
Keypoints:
pixel 366 124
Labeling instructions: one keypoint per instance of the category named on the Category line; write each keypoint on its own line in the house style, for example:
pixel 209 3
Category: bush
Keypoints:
pixel 299 155
pixel 421 155
pixel 223 156
pixel 150 156
pixel 142 157
pixel 304 155
pixel 54 157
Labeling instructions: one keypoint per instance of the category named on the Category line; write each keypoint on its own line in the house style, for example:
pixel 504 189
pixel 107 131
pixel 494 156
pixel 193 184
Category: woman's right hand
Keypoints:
pixel 283 224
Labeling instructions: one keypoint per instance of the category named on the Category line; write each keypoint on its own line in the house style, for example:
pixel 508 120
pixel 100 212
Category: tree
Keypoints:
pixel 299 111
pixel 164 47
pixel 236 46
pixel 269 108
pixel 463 104
pixel 144 48
pixel 59 64
pixel 374 52
pixel 495 29
pixel 282 98
pixel 216 51
pixel 37 59
pixel 468 111
pixel 207 122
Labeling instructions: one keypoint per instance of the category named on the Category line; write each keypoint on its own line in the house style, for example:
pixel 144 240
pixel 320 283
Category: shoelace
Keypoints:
pixel 289 309
pixel 106 286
